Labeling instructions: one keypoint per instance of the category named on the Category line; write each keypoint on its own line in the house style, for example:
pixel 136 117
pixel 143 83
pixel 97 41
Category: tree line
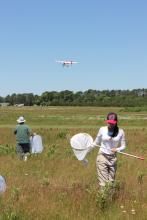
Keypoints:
pixel 128 98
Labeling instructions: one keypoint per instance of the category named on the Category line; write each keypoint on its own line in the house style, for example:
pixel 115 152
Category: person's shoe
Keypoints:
pixel 25 158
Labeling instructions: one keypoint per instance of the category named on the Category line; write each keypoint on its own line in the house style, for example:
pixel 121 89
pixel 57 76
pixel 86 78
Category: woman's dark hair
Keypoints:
pixel 112 116
pixel 113 132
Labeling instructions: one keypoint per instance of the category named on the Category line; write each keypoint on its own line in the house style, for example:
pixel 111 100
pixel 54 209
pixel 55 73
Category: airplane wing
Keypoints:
pixel 74 62
pixel 60 61
pixel 66 62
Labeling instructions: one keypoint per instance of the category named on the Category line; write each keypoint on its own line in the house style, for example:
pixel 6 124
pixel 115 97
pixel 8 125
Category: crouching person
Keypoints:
pixel 23 133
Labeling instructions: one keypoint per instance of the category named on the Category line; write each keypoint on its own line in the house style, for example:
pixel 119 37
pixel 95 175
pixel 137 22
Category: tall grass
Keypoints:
pixel 54 184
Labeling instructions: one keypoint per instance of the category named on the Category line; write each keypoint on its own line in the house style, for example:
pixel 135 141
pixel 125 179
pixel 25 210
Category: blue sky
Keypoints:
pixel 108 38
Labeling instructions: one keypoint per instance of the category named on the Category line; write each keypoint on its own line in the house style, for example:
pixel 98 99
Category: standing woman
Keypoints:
pixel 111 139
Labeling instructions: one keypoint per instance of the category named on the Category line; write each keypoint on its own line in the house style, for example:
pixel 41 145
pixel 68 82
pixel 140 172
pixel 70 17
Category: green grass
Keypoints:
pixel 54 184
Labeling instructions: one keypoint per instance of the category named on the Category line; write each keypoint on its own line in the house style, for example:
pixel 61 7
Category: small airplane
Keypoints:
pixel 66 63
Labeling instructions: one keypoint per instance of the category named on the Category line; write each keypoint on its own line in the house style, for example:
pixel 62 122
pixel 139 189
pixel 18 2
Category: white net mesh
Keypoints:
pixel 36 144
pixel 2 185
pixel 80 144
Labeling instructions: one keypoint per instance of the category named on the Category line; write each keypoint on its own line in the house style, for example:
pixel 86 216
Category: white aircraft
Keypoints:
pixel 66 63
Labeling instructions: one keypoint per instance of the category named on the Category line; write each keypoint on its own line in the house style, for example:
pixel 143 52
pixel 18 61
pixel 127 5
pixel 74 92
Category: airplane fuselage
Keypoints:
pixel 66 62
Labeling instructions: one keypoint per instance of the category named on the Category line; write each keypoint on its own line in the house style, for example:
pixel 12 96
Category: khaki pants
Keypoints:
pixel 106 168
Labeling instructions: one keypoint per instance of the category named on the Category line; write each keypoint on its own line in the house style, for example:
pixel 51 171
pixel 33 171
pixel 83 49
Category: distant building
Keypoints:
pixel 19 105
pixel 3 104
pixel 142 93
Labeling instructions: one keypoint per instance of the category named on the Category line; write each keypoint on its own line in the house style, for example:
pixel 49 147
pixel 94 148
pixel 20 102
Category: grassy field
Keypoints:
pixel 55 185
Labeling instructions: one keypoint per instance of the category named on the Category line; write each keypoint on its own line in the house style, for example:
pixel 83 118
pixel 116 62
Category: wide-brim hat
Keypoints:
pixel 21 120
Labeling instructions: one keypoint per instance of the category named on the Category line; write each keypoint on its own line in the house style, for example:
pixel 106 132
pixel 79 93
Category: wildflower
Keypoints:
pixel 133 211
